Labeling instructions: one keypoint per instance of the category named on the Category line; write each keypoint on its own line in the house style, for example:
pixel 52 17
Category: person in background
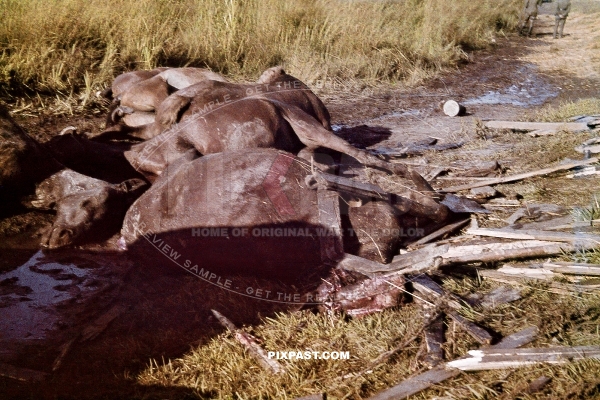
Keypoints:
pixel 562 10
pixel 529 14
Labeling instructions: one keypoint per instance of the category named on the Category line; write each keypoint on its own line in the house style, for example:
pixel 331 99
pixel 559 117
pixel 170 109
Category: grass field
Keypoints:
pixel 74 46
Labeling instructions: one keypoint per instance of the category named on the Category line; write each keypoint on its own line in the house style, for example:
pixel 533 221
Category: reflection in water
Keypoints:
pixel 29 294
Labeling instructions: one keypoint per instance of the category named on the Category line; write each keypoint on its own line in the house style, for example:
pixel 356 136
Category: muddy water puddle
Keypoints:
pixel 31 293
pixel 529 89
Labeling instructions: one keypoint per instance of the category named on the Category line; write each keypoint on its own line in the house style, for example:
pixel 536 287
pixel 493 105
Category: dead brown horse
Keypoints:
pixel 244 211
pixel 87 208
pixel 140 122
pixel 137 94
pixel 125 81
pixel 218 116
pixel 23 162
pixel 274 83
pixel 145 90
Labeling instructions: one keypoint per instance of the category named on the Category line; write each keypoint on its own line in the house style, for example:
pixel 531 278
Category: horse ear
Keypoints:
pixel 131 185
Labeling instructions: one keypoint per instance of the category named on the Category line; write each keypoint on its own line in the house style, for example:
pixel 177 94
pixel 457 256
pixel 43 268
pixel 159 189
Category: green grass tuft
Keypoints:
pixel 566 110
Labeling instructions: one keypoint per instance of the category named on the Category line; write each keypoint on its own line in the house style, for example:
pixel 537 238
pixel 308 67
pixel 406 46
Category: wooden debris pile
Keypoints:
pixel 416 148
pixel 583 123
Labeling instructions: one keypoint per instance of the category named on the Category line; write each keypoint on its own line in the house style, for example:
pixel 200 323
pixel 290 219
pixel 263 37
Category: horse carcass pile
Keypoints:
pixel 235 178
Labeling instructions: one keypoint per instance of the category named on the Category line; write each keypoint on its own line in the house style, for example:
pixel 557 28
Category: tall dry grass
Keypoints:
pixel 69 46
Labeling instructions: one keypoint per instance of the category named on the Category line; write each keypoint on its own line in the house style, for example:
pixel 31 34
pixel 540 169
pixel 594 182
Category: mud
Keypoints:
pixel 32 292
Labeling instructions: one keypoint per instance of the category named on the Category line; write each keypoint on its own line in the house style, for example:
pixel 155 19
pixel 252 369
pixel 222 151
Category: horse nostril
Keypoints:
pixel 65 234
pixel 60 237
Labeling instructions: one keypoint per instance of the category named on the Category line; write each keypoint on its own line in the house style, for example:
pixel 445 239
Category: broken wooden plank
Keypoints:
pixel 573 268
pixel 419 260
pixel 435 173
pixel 550 269
pixel 434 340
pixel 434 256
pixel 536 126
pixel 502 277
pixel 502 202
pixel 366 267
pixel 590 149
pixel 476 250
pixel 456 240
pixel 250 344
pixel 589 146
pixel 101 323
pixel 581 239
pixel 417 383
pixel 591 120
pixel 441 232
pixel 536 211
pixel 417 148
pixel 482 169
pixel 573 264
pixel 474 330
pixel 586 171
pixel 433 291
pixel 553 287
pixel 462 178
pixel 534 273
pixel 320 396
pixel 507 251
pixel 518 177
pixel 486 359
pixel 542 132
pixel 517 339
pixel 577 224
pixel 63 350
pixel 544 225
pixel 21 374
pixel 500 295
pixel 459 204
pixel 591 141
pixel 325 181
